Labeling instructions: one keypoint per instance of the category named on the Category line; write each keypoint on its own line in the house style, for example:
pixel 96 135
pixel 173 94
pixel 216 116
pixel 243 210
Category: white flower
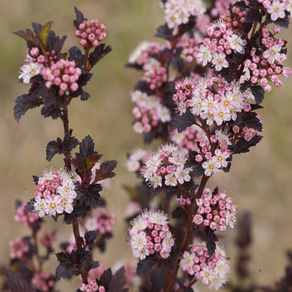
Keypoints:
pixel 90 224
pixel 187 261
pixel 231 218
pixel 204 56
pixel 207 275
pixel 219 61
pixel 29 70
pixel 273 54
pixel 236 43
pixel 139 241
pixel 277 9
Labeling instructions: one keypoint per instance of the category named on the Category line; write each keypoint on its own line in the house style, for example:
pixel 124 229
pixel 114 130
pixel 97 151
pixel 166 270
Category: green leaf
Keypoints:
pixel 45 32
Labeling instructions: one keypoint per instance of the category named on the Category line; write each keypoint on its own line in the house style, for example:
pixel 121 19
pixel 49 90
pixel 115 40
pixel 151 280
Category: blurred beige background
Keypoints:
pixel 259 181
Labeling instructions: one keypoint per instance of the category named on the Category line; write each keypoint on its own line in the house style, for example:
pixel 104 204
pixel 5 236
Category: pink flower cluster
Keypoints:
pixel 190 47
pixel 216 211
pixel 149 112
pixel 18 248
pixel 210 104
pixel 220 7
pixel 91 287
pixel 103 221
pixel 43 281
pixel 155 74
pixel 35 57
pixel 189 138
pixel 178 12
pixel 166 166
pixel 91 33
pixel 25 218
pixel 212 271
pixel 149 234
pixel 54 193
pixel 136 160
pixel 277 8
pixel 265 67
pixel 141 53
pixel 63 74
pixel 223 39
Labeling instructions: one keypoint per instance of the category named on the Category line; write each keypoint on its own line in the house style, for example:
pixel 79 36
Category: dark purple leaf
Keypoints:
pixel 242 146
pixel 99 52
pixel 86 147
pixel 258 93
pixel 105 279
pixel 90 238
pixel 76 55
pixel 16 283
pixel 118 281
pixel 146 265
pixel 79 18
pixel 179 213
pixel 181 122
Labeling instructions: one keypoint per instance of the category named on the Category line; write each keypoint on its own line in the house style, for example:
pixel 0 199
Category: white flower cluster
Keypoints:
pixel 213 271
pixel 54 193
pixel 136 159
pixel 167 166
pixel 150 234
pixel 178 12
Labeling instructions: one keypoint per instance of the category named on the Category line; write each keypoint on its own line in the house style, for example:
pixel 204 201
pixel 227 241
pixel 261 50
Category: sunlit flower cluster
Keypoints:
pixel 212 271
pixel 63 74
pixel 149 234
pixel 43 281
pixel 216 211
pixel 178 12
pixel 55 193
pixel 212 105
pixel 136 160
pixel 91 33
pixel 25 218
pixel 103 221
pixel 149 112
pixel 166 167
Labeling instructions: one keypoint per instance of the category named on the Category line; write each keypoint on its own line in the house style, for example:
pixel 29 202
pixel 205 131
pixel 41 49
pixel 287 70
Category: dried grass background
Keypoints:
pixel 259 181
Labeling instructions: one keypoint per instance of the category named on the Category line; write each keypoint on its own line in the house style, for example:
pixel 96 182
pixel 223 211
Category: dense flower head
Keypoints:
pixel 63 74
pixel 264 67
pixel 149 112
pixel 103 221
pixel 141 54
pixel 136 160
pixel 212 99
pixel 215 210
pixel 149 234
pixel 189 46
pixel 92 287
pixel 155 74
pixel 18 248
pixel 55 192
pixel 166 166
pixel 220 7
pixel 91 32
pixel 178 12
pixel 43 281
pixel 211 270
pixel 25 218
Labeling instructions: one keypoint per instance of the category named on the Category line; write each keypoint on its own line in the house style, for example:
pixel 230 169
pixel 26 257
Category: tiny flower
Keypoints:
pixel 29 70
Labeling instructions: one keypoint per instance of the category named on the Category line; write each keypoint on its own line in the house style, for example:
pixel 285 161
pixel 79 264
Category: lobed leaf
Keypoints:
pixel 79 18
pixel 99 53
pixel 16 283
pixel 181 122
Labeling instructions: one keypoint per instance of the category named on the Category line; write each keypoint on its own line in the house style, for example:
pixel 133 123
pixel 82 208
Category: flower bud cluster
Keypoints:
pixel 103 221
pixel 277 8
pixel 55 193
pixel 212 105
pixel 155 74
pixel 223 40
pixel 35 56
pixel 212 271
pixel 63 74
pixel 216 211
pixel 18 248
pixel 25 218
pixel 190 47
pixel 91 33
pixel 149 112
pixel 220 7
pixel 141 54
pixel 149 234
pixel 43 281
pixel 91 287
pixel 266 66
pixel 178 12
pixel 136 160
pixel 166 167
pixel 189 138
